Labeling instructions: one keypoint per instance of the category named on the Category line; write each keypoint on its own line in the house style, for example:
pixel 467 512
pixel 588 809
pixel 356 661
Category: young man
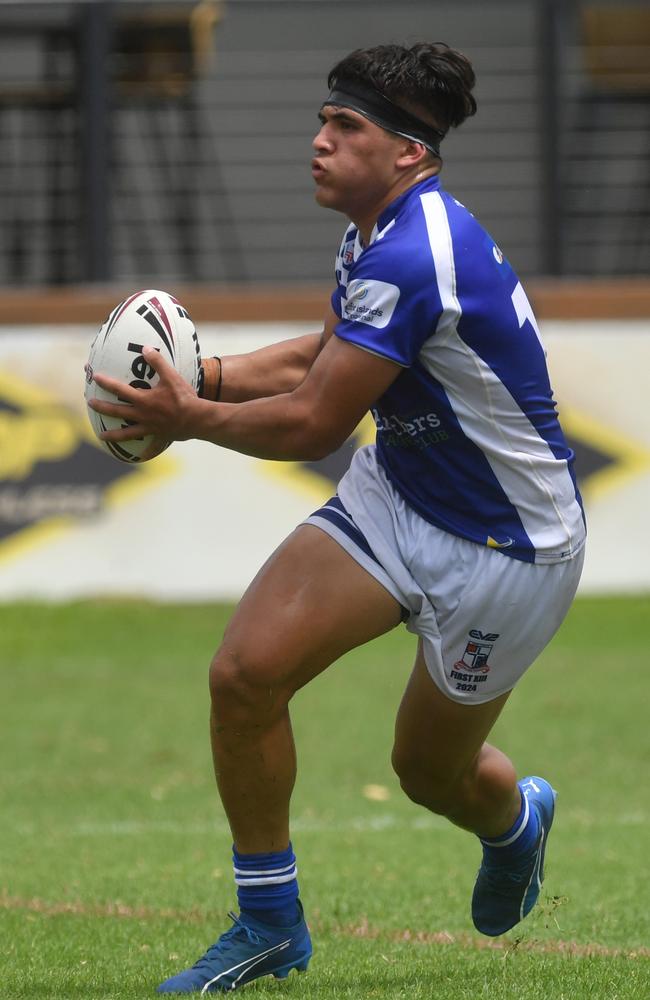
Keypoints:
pixel 463 520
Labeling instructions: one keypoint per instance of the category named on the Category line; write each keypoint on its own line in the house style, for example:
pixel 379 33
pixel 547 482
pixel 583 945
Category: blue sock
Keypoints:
pixel 519 839
pixel 267 886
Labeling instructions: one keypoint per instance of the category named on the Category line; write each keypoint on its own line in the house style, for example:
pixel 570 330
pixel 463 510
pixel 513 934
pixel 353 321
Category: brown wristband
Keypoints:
pixel 211 388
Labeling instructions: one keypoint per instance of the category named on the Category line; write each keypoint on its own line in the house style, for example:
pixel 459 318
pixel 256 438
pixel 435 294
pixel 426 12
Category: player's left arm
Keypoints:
pixel 270 370
pixel 307 423
pixel 265 372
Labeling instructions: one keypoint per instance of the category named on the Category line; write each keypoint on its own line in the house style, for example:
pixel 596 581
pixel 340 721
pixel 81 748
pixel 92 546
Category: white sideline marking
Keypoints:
pixel 360 824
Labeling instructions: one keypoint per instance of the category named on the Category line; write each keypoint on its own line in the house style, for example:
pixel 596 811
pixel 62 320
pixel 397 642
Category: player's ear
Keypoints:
pixel 412 154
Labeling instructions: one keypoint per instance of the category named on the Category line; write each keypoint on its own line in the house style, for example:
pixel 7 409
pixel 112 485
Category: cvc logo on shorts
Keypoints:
pixel 369 301
pixel 472 669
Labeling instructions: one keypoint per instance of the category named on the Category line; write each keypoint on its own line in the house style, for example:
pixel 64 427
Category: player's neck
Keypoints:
pixel 366 222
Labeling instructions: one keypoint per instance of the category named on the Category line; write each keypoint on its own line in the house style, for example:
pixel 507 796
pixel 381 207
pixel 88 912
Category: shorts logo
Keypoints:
pixel 477 651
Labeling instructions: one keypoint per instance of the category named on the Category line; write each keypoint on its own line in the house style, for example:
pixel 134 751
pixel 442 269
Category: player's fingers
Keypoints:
pixel 122 410
pixel 119 389
pixel 159 364
pixel 130 433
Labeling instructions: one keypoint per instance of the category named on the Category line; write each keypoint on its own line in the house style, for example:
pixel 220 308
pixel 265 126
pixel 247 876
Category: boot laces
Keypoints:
pixel 238 933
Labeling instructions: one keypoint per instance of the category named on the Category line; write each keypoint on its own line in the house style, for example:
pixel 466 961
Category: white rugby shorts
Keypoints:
pixel 482 616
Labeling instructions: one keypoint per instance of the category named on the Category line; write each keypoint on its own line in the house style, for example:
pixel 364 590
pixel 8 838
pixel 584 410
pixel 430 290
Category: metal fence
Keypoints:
pixel 157 141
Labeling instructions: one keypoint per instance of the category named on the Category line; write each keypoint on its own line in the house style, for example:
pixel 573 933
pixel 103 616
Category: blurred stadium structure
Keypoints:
pixel 171 141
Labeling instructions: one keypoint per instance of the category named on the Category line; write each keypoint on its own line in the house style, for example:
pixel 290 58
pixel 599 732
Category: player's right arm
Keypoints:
pixel 272 370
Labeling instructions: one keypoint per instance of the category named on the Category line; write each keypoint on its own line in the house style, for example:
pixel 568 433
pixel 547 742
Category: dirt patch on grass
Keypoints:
pixel 363 930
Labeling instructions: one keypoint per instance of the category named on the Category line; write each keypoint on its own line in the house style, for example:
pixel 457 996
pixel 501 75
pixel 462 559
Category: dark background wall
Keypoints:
pixel 207 178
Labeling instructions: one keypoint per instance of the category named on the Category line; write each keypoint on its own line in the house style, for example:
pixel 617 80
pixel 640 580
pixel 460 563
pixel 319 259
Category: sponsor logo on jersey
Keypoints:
pixel 415 431
pixel 371 302
pixel 505 543
pixel 357 291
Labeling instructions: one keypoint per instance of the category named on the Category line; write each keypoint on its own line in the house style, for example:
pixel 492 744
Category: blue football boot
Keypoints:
pixel 506 891
pixel 249 950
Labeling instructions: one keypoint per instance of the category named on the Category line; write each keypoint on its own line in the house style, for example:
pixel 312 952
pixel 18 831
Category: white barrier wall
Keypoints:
pixel 196 523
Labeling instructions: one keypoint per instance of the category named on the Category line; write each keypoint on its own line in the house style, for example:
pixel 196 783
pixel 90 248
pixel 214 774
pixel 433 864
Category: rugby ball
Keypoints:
pixel 151 318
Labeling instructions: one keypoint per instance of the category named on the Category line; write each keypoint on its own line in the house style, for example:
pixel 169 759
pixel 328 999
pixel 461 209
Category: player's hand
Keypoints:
pixel 165 410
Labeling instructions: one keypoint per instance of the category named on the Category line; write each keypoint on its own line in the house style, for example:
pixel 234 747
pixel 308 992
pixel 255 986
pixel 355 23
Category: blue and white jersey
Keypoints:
pixel 468 433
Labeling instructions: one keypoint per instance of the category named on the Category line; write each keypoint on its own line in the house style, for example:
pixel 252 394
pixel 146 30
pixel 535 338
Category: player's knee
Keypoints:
pixel 426 786
pixel 237 687
pixel 232 680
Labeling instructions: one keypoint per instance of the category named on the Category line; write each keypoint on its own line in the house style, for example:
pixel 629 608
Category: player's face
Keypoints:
pixel 354 166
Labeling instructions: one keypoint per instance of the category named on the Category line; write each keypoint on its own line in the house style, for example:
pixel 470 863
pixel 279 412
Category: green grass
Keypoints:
pixel 115 855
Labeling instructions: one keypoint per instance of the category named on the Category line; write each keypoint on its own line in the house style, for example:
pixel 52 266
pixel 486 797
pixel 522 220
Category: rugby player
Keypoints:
pixel 463 520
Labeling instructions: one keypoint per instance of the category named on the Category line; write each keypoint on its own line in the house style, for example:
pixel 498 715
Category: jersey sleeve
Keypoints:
pixel 344 258
pixel 390 303
pixel 337 294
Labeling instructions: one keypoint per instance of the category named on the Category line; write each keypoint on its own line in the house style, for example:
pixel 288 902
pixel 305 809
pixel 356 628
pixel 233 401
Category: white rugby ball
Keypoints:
pixel 153 318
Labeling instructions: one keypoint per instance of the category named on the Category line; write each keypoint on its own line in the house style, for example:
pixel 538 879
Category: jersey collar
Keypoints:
pixel 389 215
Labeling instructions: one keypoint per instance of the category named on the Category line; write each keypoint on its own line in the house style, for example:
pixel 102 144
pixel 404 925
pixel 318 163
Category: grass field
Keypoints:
pixel 115 855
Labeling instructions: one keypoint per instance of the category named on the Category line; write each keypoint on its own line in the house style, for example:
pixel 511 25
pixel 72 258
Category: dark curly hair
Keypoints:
pixel 430 77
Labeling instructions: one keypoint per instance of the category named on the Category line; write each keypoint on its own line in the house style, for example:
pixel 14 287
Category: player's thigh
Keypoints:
pixel 436 739
pixel 310 603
